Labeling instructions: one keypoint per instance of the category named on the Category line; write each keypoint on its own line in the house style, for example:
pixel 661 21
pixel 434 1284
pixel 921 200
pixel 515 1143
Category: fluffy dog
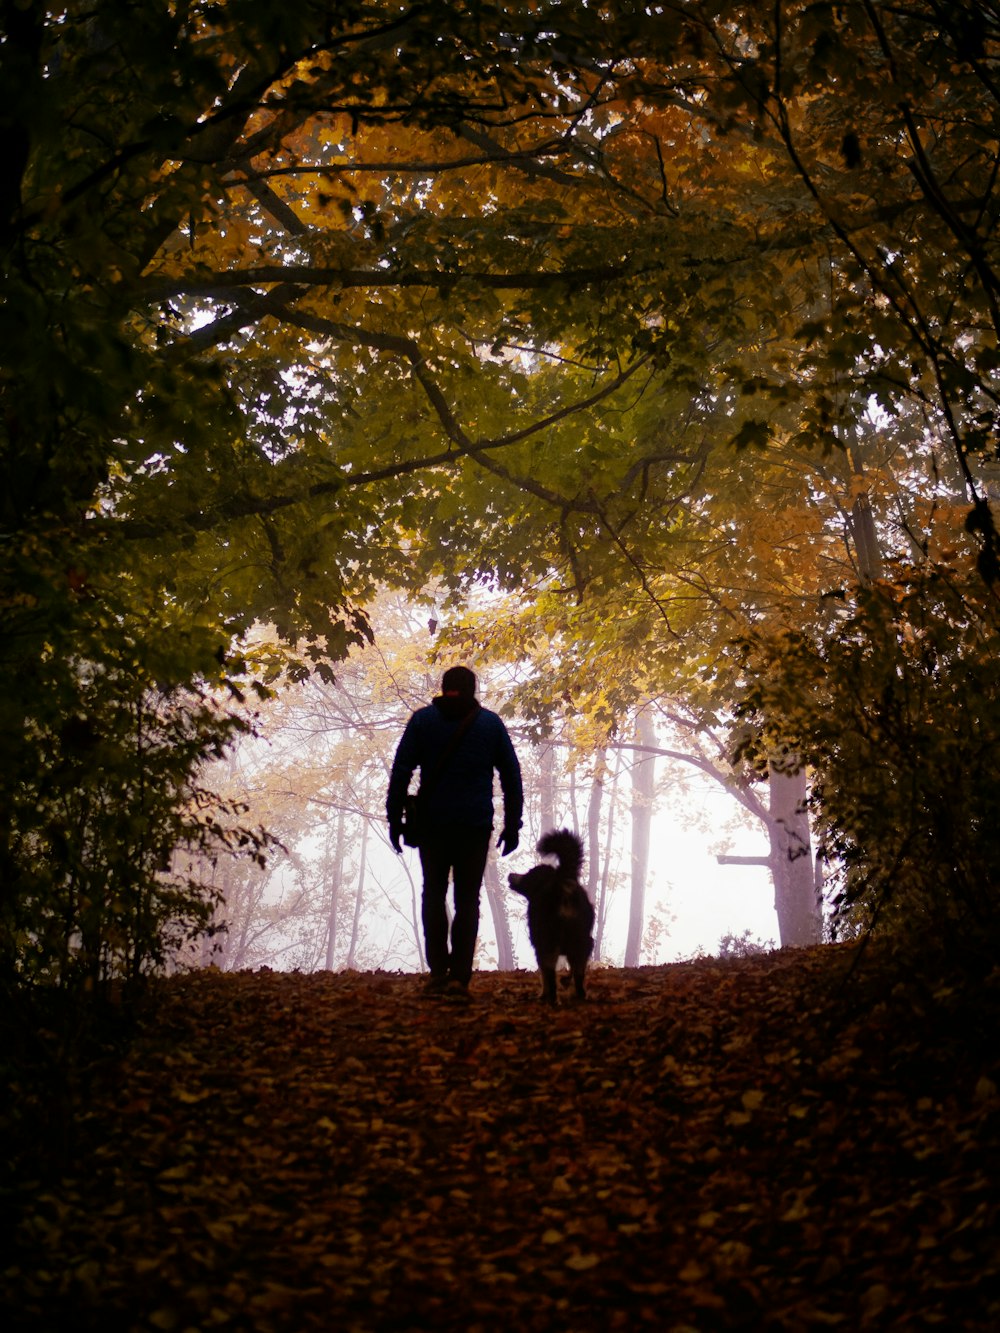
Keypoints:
pixel 560 915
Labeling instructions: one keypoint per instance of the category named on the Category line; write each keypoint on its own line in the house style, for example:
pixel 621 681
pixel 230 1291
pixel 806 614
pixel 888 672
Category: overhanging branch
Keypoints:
pixel 227 282
pixel 461 447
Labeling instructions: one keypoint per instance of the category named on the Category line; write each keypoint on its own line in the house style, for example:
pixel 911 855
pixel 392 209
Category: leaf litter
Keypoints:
pixel 779 1142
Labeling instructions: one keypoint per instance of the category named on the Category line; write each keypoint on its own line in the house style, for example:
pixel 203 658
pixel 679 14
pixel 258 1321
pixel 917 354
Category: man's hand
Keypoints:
pixel 507 842
pixel 395 838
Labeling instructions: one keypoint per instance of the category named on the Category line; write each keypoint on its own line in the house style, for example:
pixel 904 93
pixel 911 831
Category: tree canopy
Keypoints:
pixel 303 301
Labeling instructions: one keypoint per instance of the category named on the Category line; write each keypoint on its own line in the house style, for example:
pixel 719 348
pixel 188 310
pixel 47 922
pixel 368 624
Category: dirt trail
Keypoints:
pixel 711 1145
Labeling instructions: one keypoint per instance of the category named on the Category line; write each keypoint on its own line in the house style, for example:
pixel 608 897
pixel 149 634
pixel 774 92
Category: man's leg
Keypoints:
pixel 471 851
pixel 435 862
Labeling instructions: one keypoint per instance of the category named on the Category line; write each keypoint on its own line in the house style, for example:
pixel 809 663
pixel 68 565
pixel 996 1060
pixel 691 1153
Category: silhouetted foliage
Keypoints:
pixel 298 301
pixel 897 714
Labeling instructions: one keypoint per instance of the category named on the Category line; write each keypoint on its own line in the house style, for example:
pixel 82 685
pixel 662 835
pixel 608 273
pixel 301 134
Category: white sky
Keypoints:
pixel 699 900
pixel 695 900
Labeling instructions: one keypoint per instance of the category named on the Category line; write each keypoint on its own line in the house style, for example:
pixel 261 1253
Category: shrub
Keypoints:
pixel 896 712
pixel 107 822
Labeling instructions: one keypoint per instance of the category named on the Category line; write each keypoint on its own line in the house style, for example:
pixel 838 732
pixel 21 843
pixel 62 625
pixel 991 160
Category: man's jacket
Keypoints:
pixel 460 796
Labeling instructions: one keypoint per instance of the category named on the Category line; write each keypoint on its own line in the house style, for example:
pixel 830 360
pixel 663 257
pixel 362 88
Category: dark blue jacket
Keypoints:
pixel 461 795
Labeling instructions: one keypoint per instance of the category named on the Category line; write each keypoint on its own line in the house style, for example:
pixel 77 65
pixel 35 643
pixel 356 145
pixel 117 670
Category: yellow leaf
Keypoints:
pixel 797 1211
pixel 183 1095
pixel 875 1299
pixel 581 1262
pixel 219 1230
pixel 180 1172
pixel 692 1272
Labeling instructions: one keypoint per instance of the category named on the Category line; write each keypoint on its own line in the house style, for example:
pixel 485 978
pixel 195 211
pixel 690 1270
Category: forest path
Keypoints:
pixel 755 1143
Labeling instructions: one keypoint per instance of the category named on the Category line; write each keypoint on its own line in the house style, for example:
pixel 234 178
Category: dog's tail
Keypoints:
pixel 566 846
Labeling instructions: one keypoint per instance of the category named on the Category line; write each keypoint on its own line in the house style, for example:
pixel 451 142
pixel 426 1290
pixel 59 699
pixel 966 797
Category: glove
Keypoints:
pixel 508 840
pixel 395 837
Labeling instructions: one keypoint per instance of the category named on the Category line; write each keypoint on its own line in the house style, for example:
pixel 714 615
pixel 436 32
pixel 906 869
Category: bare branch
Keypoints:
pixel 225 283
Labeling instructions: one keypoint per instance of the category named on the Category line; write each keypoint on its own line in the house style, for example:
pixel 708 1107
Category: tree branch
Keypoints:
pixel 460 449
pixel 223 284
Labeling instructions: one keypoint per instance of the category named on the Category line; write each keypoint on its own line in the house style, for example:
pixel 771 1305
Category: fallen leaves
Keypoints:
pixel 735 1144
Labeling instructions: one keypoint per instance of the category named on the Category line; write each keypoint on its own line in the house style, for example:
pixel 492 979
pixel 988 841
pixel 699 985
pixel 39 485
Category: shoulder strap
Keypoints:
pixel 451 747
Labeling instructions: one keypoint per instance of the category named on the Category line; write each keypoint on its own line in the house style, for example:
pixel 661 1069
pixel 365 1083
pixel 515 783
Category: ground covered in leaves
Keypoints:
pixel 778 1142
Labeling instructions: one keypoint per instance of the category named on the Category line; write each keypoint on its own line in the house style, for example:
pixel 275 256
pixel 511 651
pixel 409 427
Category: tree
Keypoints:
pixel 153 455
pixel 899 729
pixel 318 775
pixel 649 609
pixel 643 772
pixel 300 304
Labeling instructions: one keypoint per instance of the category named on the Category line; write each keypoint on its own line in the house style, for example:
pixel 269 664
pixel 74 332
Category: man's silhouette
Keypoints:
pixel 457 744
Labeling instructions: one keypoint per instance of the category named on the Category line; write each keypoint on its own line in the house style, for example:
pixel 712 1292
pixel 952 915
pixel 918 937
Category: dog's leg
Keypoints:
pixel 548 984
pixel 579 973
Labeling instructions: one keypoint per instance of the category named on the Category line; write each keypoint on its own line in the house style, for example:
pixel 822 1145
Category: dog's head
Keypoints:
pixel 534 881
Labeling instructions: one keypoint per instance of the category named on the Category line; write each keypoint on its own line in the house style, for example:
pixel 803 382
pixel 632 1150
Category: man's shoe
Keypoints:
pixel 437 983
pixel 457 990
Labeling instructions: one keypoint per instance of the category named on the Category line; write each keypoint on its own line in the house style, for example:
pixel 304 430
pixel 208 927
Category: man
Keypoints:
pixel 456 744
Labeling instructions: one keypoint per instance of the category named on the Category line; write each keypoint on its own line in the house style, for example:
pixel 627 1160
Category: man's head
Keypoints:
pixel 458 682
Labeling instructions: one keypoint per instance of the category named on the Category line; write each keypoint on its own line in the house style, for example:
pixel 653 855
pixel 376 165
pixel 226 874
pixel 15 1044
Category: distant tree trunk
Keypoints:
pixel 594 823
pixel 791 862
pixel 352 950
pixel 574 799
pixel 334 868
pixel 608 844
pixel 501 922
pixel 594 839
pixel 819 887
pixel 239 953
pixel 861 524
pixel 861 521
pixel 215 949
pixel 798 880
pixel 546 788
pixel 643 776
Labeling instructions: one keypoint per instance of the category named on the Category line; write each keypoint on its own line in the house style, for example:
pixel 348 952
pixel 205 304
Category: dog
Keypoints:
pixel 560 914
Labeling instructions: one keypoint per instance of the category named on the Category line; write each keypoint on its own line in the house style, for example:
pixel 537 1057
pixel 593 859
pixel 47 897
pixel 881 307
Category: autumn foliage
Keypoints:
pixel 588 303
pixel 792 1141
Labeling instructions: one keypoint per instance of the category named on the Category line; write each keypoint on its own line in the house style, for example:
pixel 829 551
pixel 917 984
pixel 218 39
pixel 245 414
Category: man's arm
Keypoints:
pixel 405 761
pixel 506 764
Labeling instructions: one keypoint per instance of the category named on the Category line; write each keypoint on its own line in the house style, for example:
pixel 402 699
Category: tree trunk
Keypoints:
pixel 594 824
pixel 643 776
pixel 604 891
pixel 861 525
pixel 861 521
pixel 335 871
pixel 352 950
pixel 594 841
pixel 501 922
pixel 236 959
pixel 791 861
pixel 546 788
